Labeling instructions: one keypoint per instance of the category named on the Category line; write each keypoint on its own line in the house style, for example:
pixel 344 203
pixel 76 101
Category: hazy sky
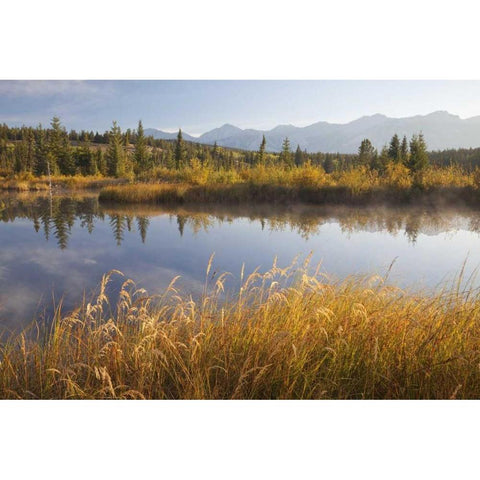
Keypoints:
pixel 198 106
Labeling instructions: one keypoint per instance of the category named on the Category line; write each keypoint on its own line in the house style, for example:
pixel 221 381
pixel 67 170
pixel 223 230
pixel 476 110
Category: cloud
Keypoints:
pixel 47 88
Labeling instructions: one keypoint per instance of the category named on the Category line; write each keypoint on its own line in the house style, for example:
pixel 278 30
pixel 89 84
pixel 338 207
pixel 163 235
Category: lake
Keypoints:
pixel 58 248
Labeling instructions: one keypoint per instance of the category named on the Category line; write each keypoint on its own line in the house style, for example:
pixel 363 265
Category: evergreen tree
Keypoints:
pixel 141 152
pixel 404 150
pixel 261 152
pixel 298 156
pixel 169 159
pixel 86 158
pixel 41 153
pixel 418 159
pixel 394 152
pixel 286 154
pixel 66 162
pixel 101 162
pixel 30 154
pixel 379 162
pixel 115 152
pixel 59 149
pixel 179 151
pixel 329 164
pixel 366 152
pixel 55 143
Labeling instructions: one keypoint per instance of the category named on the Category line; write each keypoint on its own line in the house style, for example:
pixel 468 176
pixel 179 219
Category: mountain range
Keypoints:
pixel 442 130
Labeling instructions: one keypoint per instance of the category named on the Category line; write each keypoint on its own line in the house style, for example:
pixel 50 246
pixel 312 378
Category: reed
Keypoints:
pixel 284 334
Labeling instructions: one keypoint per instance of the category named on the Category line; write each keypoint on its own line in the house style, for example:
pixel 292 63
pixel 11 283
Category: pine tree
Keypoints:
pixel 115 152
pixel 59 149
pixel 30 155
pixel 41 153
pixel 404 150
pixel 55 143
pixel 286 154
pixel 394 149
pixel 91 165
pixel 418 159
pixel 298 156
pixel 66 162
pixel 169 159
pixel 366 152
pixel 261 152
pixel 379 162
pixel 179 151
pixel 141 152
pixel 101 162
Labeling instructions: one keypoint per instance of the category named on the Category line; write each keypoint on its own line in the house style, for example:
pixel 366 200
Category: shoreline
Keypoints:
pixel 244 193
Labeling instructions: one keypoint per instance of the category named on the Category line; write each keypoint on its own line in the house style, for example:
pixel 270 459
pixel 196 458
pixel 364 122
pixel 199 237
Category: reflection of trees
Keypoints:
pixel 63 212
pixel 181 221
pixel 142 224
pixel 307 221
pixel 117 222
pixel 412 226
pixel 55 218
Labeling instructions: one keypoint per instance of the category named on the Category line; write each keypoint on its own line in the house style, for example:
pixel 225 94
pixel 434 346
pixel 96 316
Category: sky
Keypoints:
pixel 197 106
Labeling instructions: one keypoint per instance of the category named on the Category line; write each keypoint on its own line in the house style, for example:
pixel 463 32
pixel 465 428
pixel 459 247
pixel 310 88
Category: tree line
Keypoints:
pixel 116 153
pixel 412 155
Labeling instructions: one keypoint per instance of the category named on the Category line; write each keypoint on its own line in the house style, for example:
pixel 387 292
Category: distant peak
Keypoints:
pixel 283 127
pixel 441 114
pixel 369 118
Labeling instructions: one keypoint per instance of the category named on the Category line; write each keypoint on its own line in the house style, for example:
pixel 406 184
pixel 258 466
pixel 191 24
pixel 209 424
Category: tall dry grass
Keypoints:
pixel 27 182
pixel 308 183
pixel 285 334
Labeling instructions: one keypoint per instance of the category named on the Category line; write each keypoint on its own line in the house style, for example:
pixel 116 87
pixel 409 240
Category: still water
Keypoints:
pixel 60 248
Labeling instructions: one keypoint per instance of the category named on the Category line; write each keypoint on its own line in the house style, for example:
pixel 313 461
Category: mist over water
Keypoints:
pixel 59 249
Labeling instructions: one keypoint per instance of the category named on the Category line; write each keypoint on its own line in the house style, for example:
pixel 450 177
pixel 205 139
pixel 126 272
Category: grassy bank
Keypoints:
pixel 285 334
pixel 25 183
pixel 306 184
pixel 284 194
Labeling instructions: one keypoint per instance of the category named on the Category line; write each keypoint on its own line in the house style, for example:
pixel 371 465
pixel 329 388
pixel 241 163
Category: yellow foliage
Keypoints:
pixel 397 176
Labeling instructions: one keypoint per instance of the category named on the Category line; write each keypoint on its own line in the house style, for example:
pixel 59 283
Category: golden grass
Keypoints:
pixel 284 335
pixel 25 182
pixel 307 183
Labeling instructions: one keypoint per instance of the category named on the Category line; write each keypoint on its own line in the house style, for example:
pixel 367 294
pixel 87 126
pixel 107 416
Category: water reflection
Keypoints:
pixel 57 216
pixel 75 240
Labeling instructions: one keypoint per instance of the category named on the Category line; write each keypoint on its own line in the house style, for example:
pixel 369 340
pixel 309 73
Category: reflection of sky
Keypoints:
pixel 31 268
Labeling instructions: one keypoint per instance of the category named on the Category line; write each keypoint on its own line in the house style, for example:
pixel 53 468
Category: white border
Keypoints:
pixel 216 39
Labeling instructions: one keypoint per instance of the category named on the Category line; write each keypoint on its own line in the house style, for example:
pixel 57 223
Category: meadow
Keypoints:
pixel 284 334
